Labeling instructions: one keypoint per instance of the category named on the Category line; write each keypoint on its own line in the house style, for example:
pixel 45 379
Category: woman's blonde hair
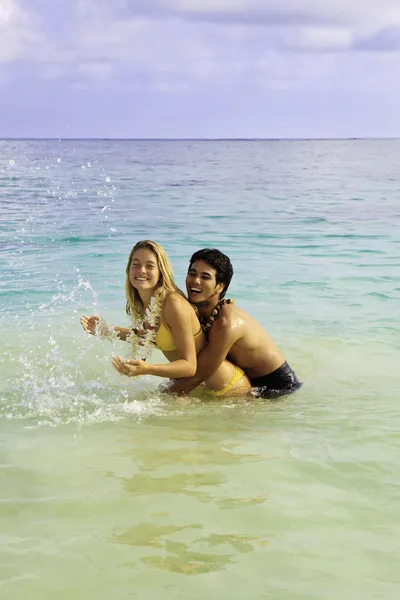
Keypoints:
pixel 166 283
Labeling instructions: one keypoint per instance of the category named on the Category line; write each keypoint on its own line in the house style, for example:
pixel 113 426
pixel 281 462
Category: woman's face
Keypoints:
pixel 144 272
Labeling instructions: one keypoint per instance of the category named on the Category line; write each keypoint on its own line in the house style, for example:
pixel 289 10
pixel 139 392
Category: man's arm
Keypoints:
pixel 222 336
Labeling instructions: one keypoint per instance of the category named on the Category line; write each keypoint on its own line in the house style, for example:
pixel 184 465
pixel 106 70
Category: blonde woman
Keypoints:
pixel 163 318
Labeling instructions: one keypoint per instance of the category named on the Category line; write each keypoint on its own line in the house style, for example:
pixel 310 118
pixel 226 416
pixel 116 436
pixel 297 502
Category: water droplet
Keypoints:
pixel 89 164
pixel 58 160
pixel 12 162
pixel 108 179
pixel 83 168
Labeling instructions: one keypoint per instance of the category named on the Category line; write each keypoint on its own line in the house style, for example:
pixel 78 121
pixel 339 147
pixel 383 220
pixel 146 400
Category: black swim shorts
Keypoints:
pixel 278 383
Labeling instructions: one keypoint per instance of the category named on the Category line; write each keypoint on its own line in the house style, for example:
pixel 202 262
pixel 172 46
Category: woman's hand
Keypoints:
pixel 89 324
pixel 130 368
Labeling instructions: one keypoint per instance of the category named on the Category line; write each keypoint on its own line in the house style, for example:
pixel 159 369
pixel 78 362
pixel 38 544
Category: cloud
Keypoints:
pixel 318 39
pixel 177 45
pixel 384 40
pixel 19 30
pixel 357 13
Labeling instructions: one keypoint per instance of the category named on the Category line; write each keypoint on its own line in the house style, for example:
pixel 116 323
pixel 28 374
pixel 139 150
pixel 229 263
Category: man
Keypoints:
pixel 232 333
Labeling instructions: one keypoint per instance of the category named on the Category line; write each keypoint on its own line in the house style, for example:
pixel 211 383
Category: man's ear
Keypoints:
pixel 220 288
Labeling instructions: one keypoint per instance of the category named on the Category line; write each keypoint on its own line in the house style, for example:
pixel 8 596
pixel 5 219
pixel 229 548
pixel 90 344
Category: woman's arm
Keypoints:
pixel 121 332
pixel 177 314
pixel 93 326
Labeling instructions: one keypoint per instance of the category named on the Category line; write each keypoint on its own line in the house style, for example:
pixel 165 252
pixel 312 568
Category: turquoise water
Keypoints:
pixel 109 489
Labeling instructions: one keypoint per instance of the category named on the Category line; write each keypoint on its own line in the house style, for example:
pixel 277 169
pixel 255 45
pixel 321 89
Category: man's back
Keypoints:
pixel 253 350
pixel 232 332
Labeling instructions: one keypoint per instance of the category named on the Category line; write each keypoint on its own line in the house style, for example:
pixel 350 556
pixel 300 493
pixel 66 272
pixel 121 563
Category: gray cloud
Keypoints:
pixel 118 30
pixel 384 40
pixel 267 49
pixel 356 13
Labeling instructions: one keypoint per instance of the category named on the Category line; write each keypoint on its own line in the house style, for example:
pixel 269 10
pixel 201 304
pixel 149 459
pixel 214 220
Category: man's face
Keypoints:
pixel 201 283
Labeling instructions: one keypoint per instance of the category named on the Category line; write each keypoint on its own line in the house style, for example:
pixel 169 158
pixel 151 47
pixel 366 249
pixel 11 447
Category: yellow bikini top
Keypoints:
pixel 164 340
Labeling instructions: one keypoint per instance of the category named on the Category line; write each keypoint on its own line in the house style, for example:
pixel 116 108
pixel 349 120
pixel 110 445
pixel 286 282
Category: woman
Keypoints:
pixel 163 318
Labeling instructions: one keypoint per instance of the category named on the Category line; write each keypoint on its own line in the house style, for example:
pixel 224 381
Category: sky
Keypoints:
pixel 200 68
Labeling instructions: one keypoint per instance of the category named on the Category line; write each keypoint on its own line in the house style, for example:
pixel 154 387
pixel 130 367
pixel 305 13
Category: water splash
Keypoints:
pixel 57 374
pixel 73 297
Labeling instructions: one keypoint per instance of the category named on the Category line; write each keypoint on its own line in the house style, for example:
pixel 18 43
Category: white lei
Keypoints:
pixel 143 342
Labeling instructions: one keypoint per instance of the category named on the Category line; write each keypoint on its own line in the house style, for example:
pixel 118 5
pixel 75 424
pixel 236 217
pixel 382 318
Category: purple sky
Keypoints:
pixel 199 68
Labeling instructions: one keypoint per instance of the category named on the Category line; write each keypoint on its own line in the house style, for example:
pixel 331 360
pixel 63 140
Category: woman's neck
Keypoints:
pixel 145 297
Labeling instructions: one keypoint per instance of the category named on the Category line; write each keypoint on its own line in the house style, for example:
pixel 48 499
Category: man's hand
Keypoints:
pixel 181 386
pixel 130 368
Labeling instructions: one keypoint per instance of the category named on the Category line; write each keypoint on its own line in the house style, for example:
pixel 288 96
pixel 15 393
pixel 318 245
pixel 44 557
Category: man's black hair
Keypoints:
pixel 218 261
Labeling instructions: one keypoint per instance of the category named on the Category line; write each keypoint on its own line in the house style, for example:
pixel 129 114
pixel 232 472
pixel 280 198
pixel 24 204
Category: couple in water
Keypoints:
pixel 208 340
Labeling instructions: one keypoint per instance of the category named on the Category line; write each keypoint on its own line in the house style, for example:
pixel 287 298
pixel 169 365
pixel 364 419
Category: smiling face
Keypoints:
pixel 201 283
pixel 144 272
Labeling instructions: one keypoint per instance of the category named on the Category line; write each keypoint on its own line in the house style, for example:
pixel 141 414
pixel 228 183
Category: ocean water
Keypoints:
pixel 109 490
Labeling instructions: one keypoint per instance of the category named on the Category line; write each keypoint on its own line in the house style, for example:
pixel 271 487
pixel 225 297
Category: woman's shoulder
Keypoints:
pixel 176 307
pixel 176 300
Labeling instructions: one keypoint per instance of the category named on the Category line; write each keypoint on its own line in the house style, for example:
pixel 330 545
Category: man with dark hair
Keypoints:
pixel 219 262
pixel 232 332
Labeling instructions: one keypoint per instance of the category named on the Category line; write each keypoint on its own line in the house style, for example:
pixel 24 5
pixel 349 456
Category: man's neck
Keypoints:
pixel 206 309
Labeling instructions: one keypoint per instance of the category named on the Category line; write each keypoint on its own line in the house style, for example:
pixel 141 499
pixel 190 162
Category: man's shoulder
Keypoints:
pixel 230 314
pixel 227 322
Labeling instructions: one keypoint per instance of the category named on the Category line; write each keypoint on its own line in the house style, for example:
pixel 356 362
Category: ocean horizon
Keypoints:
pixel 201 139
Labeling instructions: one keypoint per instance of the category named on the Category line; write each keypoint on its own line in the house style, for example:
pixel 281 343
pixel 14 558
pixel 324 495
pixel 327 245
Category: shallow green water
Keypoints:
pixel 110 490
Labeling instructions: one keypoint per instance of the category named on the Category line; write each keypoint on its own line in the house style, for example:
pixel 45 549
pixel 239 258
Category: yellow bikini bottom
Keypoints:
pixel 238 375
